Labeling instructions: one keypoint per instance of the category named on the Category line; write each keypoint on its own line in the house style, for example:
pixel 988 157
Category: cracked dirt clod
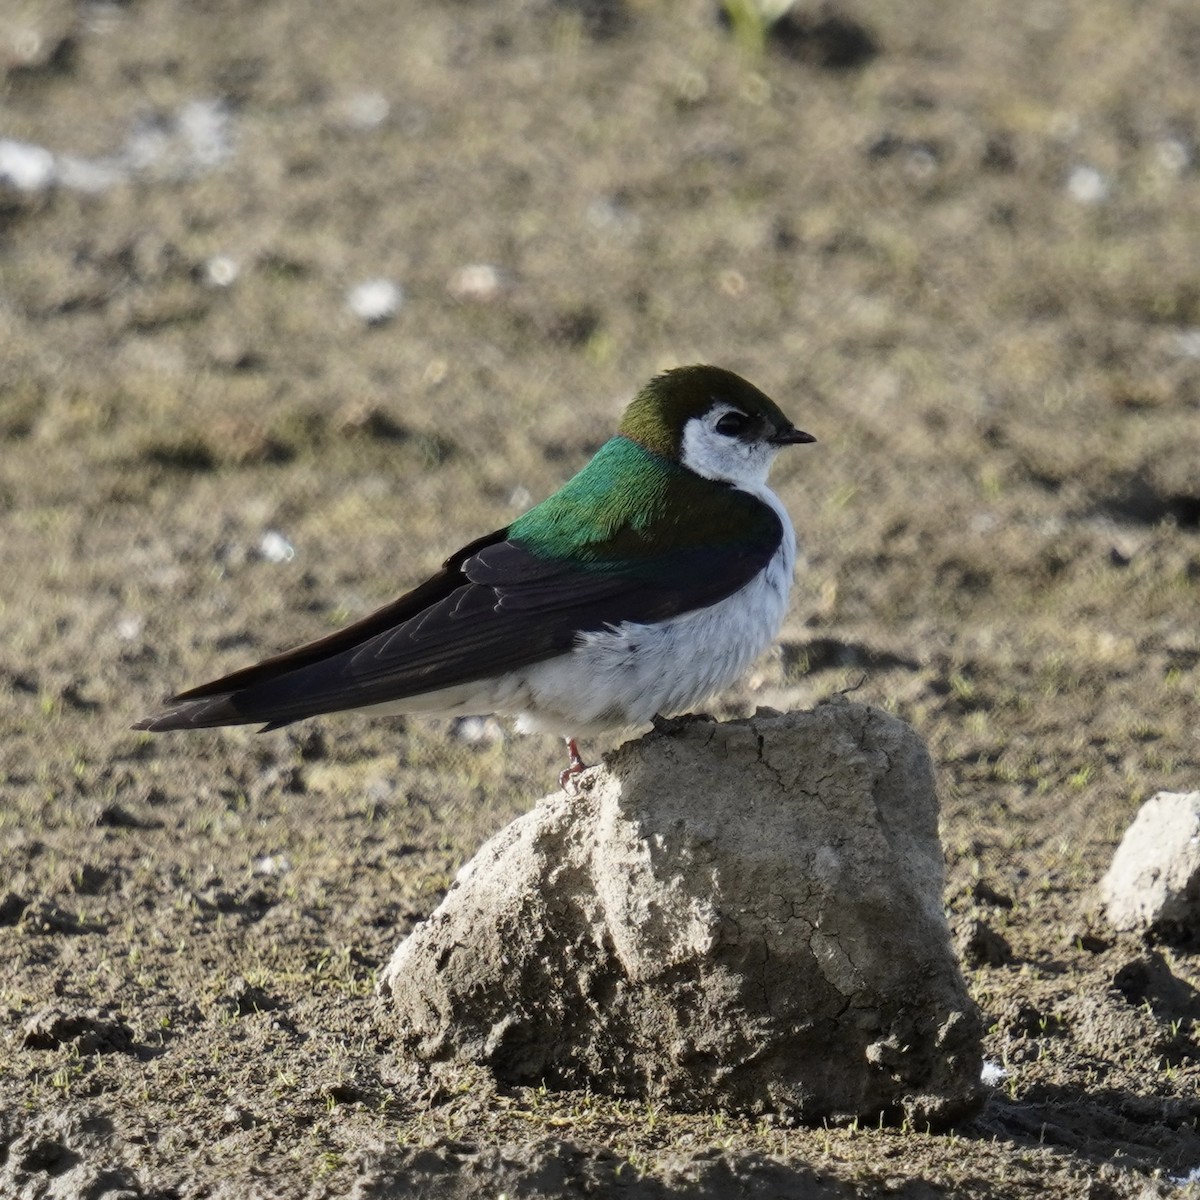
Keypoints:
pixel 745 914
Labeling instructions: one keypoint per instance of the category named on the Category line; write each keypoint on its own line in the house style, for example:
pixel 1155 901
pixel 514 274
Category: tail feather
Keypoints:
pixel 208 713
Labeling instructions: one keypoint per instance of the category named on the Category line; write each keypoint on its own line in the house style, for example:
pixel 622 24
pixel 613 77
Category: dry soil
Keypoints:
pixel 955 242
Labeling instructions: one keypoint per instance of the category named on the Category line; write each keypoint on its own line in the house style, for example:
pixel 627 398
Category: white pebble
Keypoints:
pixel 26 167
pixel 221 270
pixel 275 548
pixel 129 627
pixel 366 110
pixel 375 300
pixel 1088 185
pixel 1187 343
pixel 204 126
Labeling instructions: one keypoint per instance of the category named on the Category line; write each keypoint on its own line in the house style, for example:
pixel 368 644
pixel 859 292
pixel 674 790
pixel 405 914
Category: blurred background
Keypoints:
pixel 295 299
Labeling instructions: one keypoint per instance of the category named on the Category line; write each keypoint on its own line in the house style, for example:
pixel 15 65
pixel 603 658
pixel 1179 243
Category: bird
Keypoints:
pixel 648 582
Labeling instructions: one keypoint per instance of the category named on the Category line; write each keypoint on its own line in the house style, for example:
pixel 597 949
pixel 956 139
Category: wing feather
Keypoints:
pixel 495 606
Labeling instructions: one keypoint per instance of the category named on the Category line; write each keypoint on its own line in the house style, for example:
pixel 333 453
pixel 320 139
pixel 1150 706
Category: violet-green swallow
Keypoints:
pixel 647 582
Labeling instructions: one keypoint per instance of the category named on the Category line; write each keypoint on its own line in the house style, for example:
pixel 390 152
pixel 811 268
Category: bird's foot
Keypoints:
pixel 575 767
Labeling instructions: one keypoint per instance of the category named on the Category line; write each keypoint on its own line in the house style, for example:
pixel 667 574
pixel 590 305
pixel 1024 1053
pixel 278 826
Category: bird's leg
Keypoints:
pixel 576 765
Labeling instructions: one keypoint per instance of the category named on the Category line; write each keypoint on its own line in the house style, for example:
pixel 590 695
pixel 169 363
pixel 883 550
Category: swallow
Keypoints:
pixel 649 581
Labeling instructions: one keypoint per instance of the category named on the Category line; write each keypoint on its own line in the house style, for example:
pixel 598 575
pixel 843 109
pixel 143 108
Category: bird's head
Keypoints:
pixel 711 421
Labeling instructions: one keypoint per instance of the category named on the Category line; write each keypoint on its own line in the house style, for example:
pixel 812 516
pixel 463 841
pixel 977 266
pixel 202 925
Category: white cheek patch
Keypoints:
pixel 728 459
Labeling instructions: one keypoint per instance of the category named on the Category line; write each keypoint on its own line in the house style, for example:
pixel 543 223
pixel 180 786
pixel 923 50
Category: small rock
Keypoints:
pixel 613 216
pixel 1175 155
pixel 357 418
pixel 92 1031
pixel 242 998
pixel 744 915
pixel 1153 883
pixel 364 111
pixel 220 271
pixel 129 627
pixel 1087 185
pixel 375 300
pixel 273 547
pixel 233 1116
pixel 114 816
pixel 45 917
pixel 1023 1019
pixel 1187 343
pixel 475 281
pixel 25 167
pixel 34 43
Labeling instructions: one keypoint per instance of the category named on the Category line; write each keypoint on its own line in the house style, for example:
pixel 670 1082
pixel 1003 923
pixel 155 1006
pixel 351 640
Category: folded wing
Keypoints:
pixel 494 607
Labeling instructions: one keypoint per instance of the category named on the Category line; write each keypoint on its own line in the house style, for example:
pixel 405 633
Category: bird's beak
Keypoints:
pixel 791 436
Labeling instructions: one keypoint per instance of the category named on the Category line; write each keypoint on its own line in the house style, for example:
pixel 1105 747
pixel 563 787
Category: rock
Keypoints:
pixel 90 1031
pixel 744 915
pixel 240 999
pixel 375 301
pixel 1153 883
pixel 43 916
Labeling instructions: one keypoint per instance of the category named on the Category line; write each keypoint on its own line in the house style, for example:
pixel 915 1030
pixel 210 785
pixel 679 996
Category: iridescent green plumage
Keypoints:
pixel 635 511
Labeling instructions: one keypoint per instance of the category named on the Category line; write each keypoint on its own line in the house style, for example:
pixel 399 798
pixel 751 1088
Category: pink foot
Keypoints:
pixel 576 766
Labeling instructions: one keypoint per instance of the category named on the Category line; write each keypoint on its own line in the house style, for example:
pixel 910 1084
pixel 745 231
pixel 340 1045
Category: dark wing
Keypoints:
pixel 495 606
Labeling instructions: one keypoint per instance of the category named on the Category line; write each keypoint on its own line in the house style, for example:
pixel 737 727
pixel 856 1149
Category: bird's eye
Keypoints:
pixel 732 424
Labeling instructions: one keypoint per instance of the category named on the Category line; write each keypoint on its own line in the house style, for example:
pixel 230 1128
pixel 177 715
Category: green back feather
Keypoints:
pixel 638 512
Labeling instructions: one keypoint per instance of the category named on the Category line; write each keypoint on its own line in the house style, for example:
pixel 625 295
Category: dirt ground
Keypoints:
pixel 955 242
